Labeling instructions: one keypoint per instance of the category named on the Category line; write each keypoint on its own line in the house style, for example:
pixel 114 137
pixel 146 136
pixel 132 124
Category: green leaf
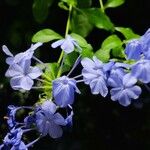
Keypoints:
pixel 87 53
pixel 69 61
pixel 118 52
pixel 46 35
pixel 113 3
pixel 40 9
pixel 103 55
pixel 127 33
pixel 64 4
pixel 51 70
pixel 111 42
pixel 80 23
pixel 87 50
pixel 84 3
pixel 99 19
pixel 80 40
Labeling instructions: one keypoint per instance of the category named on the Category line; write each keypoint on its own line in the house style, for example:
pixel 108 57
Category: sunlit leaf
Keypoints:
pixel 46 35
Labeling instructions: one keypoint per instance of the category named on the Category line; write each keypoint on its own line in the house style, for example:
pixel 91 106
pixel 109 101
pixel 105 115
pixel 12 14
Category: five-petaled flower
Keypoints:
pixel 48 121
pixel 67 45
pixel 63 91
pixel 124 89
pixel 22 75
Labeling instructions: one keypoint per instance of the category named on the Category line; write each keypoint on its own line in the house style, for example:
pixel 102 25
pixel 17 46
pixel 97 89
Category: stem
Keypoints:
pixel 47 78
pixel 66 33
pixel 101 5
pixel 39 61
pixel 78 76
pixel 44 81
pixel 42 87
pixel 61 66
pixel 75 64
pixel 80 81
pixel 33 142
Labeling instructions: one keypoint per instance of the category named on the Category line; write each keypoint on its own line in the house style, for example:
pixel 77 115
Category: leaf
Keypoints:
pixel 118 52
pixel 51 70
pixel 103 55
pixel 113 3
pixel 69 61
pixel 99 19
pixel 46 35
pixel 62 4
pixel 40 9
pixel 80 23
pixel 127 33
pixel 84 3
pixel 87 50
pixel 80 40
pixel 111 42
pixel 87 53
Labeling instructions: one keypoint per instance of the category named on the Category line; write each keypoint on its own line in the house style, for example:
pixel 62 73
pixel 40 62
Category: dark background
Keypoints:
pixel 98 123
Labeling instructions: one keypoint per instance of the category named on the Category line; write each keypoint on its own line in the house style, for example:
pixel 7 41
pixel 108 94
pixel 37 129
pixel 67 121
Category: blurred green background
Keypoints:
pixel 99 124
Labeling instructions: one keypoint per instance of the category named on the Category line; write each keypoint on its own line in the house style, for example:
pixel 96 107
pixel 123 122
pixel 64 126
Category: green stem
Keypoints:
pixel 66 33
pixel 102 6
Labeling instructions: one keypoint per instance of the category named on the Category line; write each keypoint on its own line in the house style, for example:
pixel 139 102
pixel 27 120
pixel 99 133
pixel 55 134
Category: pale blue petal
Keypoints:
pixel 98 85
pixel 10 60
pixel 129 80
pixel 67 46
pixel 134 92
pixel 26 83
pixel 58 119
pixel 35 72
pixel 15 83
pixel 57 43
pixel 14 70
pixel 6 51
pixel 87 63
pixel 49 106
pixel 124 99
pixel 133 49
pixel 55 131
pixel 115 93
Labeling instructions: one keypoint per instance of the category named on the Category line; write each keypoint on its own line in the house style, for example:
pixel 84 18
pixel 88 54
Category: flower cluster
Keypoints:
pixel 120 78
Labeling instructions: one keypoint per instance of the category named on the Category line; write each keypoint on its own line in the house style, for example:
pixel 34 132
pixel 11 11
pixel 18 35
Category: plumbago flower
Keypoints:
pixel 124 89
pixel 28 54
pixel 22 75
pixel 44 118
pixel 140 51
pixel 67 45
pixel 48 121
pixel 94 74
pixel 63 91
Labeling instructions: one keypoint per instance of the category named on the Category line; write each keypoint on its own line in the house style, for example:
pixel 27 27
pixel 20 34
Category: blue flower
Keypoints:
pixel 48 121
pixel 13 139
pixel 69 117
pixel 94 74
pixel 22 75
pixel 63 91
pixel 67 45
pixel 141 70
pixel 20 56
pixel 117 71
pixel 11 115
pixel 133 49
pixel 145 39
pixel 124 89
